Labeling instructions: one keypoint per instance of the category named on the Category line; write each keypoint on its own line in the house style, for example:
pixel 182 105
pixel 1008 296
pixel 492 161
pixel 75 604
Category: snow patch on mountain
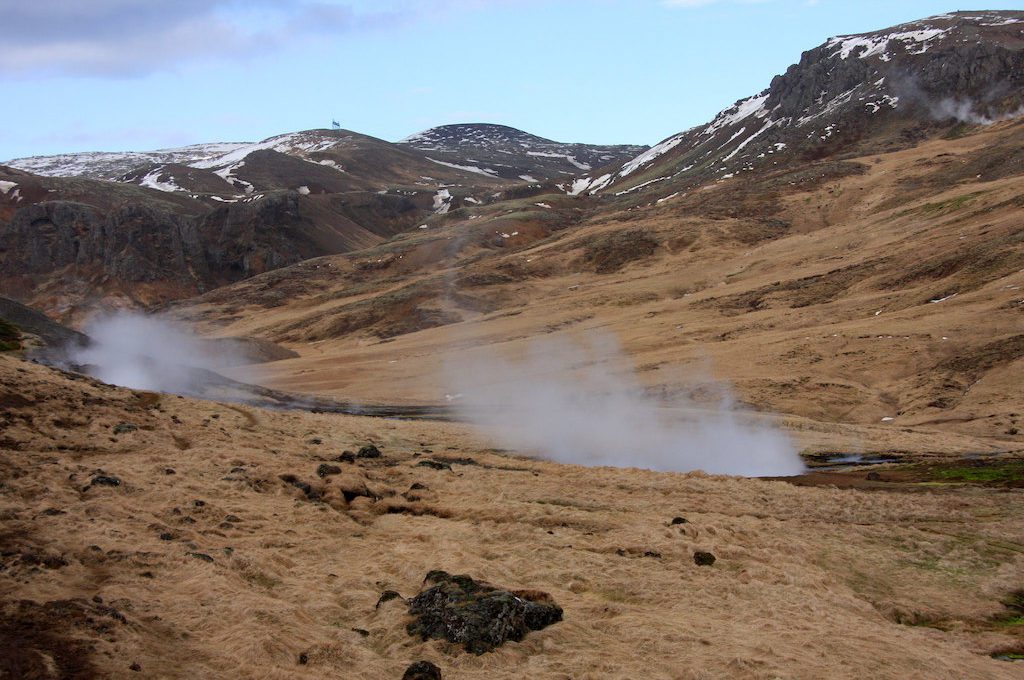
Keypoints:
pixel 442 201
pixel 915 42
pixel 152 181
pixel 467 168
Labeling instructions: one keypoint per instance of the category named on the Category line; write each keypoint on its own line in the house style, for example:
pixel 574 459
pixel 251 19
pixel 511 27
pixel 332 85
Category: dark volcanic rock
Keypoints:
pixel 434 465
pixel 368 451
pixel 105 480
pixel 703 559
pixel 422 670
pixel 324 470
pixel 477 615
pixel 387 596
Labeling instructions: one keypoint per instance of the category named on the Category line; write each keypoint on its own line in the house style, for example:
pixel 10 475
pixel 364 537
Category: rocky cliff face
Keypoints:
pixel 860 93
pixel 68 245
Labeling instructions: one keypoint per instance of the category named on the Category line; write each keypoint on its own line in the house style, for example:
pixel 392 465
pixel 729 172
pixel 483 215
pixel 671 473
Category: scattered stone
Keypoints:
pixel 416 486
pixel 135 667
pixel 477 615
pixel 873 477
pixel 703 559
pixel 316 441
pixel 422 670
pixel 53 512
pixel 434 465
pixel 167 536
pixel 233 518
pixel 456 460
pixel 346 457
pixel 237 470
pixel 387 596
pixel 123 428
pixel 105 480
pixel 303 659
pixel 361 631
pixel 170 471
pixel 200 556
pixel 199 503
pixel 678 520
pixel 368 451
pixel 324 470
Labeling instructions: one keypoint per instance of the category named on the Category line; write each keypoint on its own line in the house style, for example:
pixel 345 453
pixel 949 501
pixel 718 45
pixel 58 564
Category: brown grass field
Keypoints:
pixel 810 582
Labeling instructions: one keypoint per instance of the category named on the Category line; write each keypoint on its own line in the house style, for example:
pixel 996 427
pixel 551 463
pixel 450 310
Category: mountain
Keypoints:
pixel 338 159
pixel 192 219
pixel 502 151
pixel 852 95
pixel 843 282
pixel 88 229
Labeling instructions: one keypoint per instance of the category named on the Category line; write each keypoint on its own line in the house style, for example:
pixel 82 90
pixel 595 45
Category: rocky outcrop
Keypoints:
pixel 477 615
pixel 66 244
pixel 859 94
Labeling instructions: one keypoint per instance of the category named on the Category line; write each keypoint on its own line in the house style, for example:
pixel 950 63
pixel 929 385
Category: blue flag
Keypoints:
pixel 335 124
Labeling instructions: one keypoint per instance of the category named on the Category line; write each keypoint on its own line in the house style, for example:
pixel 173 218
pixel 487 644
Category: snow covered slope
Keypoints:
pixel 502 151
pixel 858 93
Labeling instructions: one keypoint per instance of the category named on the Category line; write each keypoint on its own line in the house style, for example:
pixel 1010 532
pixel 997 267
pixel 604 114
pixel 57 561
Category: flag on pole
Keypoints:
pixel 335 124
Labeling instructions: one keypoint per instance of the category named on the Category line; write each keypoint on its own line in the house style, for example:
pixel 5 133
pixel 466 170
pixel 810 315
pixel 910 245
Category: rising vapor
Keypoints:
pixel 149 353
pixel 561 401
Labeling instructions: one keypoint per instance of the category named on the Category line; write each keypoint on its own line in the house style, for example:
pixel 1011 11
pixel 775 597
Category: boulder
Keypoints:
pixel 477 615
pixel 422 670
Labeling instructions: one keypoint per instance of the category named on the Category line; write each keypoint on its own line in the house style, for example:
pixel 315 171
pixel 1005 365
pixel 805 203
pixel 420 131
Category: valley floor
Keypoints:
pixel 203 562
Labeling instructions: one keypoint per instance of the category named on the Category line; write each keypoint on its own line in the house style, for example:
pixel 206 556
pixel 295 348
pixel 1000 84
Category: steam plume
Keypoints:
pixel 149 353
pixel 562 401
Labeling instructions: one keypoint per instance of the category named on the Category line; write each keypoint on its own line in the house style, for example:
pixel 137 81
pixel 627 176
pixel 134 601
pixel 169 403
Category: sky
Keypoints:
pixel 115 75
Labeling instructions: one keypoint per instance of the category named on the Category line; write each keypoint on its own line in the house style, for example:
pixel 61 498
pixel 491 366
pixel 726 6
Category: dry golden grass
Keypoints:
pixel 809 582
pixel 827 320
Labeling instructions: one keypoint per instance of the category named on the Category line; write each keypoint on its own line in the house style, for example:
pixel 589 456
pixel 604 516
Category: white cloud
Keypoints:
pixel 136 37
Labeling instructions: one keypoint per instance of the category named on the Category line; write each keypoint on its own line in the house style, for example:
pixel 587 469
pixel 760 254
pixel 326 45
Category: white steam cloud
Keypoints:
pixel 965 111
pixel 149 353
pixel 563 402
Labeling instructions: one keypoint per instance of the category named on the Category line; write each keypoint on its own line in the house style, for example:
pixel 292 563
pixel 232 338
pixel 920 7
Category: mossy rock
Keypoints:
pixel 477 615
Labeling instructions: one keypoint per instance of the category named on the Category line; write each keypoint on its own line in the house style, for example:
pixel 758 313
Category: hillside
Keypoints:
pixel 853 95
pixel 167 230
pixel 147 534
pixel 881 290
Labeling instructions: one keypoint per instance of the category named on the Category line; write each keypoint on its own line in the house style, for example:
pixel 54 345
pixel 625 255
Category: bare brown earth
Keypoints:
pixel 203 562
pixel 837 294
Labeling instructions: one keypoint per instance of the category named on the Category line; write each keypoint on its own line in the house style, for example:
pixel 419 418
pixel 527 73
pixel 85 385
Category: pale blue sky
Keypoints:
pixel 144 74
